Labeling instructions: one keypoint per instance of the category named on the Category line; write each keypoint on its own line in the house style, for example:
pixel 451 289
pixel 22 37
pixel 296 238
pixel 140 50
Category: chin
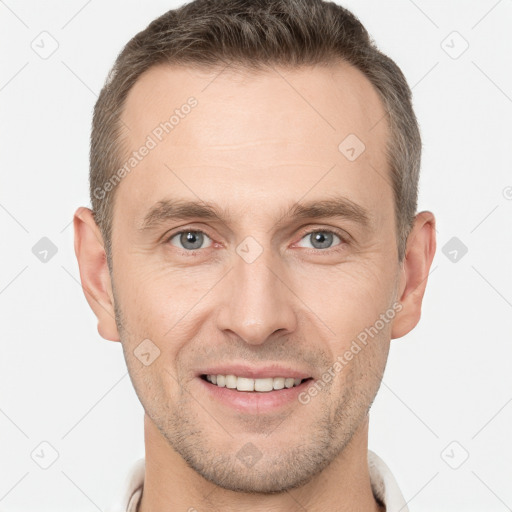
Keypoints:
pixel 266 479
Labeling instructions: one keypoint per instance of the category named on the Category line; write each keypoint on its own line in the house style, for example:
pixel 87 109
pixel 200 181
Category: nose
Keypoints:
pixel 257 300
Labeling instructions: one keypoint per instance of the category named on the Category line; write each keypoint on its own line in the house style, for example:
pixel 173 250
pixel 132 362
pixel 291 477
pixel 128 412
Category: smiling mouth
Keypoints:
pixel 255 385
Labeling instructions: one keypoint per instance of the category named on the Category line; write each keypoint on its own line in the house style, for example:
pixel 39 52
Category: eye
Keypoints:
pixel 321 239
pixel 190 240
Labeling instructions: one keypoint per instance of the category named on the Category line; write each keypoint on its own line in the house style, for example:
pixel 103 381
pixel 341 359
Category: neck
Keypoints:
pixel 170 484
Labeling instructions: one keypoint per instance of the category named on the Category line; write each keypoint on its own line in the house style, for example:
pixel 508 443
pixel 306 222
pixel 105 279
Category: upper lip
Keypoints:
pixel 253 372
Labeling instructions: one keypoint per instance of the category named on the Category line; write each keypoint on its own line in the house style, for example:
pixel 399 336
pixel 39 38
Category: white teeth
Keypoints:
pixel 264 384
pixel 278 383
pixel 243 384
pixel 288 383
pixel 246 384
pixel 231 381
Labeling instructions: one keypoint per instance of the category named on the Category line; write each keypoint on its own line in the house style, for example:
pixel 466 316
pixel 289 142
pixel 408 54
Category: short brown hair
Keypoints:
pixel 255 34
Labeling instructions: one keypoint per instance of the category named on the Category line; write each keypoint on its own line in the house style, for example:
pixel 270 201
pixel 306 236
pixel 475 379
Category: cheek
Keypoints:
pixel 156 298
pixel 362 361
pixel 163 306
pixel 151 385
pixel 347 298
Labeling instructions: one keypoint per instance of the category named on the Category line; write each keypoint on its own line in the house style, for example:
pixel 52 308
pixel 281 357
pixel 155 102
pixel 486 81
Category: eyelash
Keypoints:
pixel 340 235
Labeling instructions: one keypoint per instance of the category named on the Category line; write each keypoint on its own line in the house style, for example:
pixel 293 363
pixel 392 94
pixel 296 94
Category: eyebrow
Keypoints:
pixel 179 209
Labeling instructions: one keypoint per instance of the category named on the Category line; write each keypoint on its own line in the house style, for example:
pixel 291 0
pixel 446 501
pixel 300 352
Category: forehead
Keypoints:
pixel 332 98
pixel 253 136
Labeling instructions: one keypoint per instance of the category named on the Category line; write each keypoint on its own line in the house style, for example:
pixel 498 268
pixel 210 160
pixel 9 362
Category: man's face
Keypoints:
pixel 255 291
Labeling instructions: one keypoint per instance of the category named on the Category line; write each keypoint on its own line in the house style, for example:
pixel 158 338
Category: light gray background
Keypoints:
pixel 447 381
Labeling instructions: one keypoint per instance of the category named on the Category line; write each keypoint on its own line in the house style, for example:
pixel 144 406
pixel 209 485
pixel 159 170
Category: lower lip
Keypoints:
pixel 255 402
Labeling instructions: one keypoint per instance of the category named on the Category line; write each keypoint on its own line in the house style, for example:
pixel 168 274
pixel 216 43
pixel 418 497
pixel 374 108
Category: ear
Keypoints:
pixel 94 273
pixel 421 247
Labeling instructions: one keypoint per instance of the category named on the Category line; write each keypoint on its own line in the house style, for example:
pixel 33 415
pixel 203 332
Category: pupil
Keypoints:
pixel 321 240
pixel 193 238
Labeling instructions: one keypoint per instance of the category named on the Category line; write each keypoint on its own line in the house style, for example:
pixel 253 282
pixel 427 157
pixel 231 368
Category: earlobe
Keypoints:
pixel 94 273
pixel 421 248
